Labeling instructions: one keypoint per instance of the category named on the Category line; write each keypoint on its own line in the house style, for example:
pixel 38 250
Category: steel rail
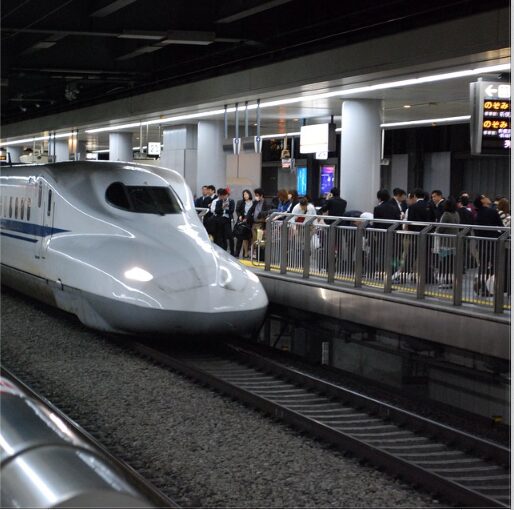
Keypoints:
pixel 464 469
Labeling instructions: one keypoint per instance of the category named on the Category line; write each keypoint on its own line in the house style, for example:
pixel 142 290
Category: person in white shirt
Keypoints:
pixel 303 207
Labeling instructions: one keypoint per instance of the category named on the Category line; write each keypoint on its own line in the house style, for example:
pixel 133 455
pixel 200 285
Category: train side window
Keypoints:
pixel 10 207
pixel 16 207
pixel 22 208
pixel 49 208
pixel 40 194
pixel 28 208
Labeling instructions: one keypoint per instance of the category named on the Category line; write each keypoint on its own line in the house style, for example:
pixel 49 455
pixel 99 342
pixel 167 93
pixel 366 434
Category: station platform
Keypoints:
pixel 470 329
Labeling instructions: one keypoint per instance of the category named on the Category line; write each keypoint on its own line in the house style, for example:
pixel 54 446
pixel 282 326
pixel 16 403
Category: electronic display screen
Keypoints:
pixel 301 180
pixel 327 175
pixel 496 126
pixel 490 124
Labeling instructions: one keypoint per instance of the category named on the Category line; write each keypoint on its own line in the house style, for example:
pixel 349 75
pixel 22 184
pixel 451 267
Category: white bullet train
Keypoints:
pixel 121 246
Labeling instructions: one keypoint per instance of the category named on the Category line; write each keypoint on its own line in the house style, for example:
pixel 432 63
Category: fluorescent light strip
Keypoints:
pixel 314 97
pixel 114 128
pixel 440 120
pixel 35 139
pixel 455 120
pixel 298 99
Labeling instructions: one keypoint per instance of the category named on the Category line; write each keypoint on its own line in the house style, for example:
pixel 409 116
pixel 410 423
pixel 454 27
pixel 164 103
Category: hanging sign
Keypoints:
pixel 154 148
pixel 490 127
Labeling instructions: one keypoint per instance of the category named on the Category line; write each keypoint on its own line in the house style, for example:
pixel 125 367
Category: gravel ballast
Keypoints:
pixel 198 447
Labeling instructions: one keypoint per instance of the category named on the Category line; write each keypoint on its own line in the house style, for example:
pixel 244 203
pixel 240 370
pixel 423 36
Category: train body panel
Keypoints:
pixel 121 246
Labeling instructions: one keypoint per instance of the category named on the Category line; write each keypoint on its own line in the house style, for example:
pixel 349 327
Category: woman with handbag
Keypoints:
pixel 242 229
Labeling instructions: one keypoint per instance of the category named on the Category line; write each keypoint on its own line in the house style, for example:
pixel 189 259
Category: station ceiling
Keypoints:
pixel 61 55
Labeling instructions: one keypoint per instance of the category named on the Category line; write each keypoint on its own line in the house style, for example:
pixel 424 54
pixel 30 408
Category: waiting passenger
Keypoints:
pixel 224 212
pixel 446 246
pixel 334 206
pixel 258 213
pixel 485 216
pixel 243 234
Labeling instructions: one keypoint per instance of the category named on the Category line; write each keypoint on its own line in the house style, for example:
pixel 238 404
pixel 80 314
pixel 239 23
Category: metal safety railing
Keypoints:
pixel 446 263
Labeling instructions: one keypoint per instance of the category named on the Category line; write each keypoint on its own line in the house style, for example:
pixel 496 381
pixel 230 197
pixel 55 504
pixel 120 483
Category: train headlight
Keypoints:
pixel 138 274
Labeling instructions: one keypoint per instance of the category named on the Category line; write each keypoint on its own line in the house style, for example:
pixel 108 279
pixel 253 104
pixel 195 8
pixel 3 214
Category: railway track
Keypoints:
pixel 461 468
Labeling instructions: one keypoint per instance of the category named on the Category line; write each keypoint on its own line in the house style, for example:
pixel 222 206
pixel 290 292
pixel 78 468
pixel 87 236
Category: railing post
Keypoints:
pixel 268 244
pixel 284 242
pixel 388 258
pixel 499 272
pixel 458 266
pixel 359 236
pixel 307 245
pixel 331 251
pixel 421 262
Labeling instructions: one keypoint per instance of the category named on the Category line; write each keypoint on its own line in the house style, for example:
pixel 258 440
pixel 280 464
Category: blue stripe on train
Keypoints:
pixel 21 238
pixel 32 229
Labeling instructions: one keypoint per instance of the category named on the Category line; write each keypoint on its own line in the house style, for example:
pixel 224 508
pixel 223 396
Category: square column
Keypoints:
pixel 212 160
pixel 179 152
pixel 120 147
pixel 360 152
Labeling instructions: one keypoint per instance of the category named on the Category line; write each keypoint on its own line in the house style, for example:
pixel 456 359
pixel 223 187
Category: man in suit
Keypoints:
pixel 419 211
pixel 385 210
pixel 334 206
pixel 486 216
pixel 224 213
pixel 437 205
pixel 199 201
pixel 399 200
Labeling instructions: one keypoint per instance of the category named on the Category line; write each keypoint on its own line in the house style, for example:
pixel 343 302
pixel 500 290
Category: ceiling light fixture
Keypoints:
pixel 442 120
pixel 35 139
pixel 313 97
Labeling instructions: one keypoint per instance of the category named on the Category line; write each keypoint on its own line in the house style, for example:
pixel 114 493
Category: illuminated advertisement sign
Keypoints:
pixel 326 178
pixel 490 128
pixel 301 180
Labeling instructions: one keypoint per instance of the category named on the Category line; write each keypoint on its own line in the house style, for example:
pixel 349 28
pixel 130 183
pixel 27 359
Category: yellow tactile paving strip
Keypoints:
pixel 377 285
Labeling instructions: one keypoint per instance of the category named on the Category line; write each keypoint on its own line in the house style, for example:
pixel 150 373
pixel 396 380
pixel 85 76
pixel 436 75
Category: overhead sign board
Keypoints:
pixel 154 148
pixel 318 138
pixel 490 128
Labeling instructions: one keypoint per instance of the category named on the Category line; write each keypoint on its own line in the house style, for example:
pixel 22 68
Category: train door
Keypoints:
pixel 44 216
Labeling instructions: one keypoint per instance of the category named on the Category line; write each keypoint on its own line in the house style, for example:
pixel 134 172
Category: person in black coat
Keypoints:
pixel 486 216
pixel 436 205
pixel 419 211
pixel 385 210
pixel 224 213
pixel 334 206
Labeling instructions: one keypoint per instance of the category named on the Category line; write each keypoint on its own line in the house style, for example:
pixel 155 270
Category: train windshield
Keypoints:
pixel 143 199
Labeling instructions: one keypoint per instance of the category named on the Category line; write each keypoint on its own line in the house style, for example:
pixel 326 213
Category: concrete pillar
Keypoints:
pixel 120 147
pixel 179 152
pixel 15 152
pixel 62 150
pixel 360 152
pixel 212 161
pixel 81 151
